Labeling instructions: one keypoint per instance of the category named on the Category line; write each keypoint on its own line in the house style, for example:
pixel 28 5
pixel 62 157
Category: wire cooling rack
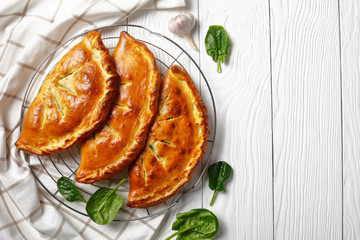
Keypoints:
pixel 48 169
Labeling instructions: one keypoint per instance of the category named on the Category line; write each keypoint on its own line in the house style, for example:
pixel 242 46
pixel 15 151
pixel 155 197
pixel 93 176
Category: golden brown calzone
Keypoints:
pixel 73 99
pixel 176 143
pixel 116 144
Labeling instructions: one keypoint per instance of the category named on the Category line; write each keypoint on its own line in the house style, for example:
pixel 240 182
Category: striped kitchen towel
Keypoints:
pixel 30 30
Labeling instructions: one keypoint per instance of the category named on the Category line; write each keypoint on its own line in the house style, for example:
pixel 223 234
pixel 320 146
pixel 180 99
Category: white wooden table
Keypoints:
pixel 288 105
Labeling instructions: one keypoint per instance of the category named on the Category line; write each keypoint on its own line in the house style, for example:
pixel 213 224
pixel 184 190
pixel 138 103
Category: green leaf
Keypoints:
pixel 218 173
pixel 104 205
pixel 68 190
pixel 196 224
pixel 217 44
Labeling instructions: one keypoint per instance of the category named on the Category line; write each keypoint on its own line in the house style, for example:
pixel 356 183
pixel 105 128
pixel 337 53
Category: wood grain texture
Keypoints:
pixel 243 101
pixel 305 151
pixel 350 49
pixel 307 119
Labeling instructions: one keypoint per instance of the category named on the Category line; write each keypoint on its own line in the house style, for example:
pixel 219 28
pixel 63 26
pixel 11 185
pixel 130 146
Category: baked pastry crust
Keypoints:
pixel 115 145
pixel 176 143
pixel 73 99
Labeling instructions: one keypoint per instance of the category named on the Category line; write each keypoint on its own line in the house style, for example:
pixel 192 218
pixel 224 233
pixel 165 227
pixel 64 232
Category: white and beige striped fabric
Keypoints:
pixel 29 30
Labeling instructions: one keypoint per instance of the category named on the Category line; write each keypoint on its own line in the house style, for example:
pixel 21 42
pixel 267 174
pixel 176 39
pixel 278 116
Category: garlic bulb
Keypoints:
pixel 182 25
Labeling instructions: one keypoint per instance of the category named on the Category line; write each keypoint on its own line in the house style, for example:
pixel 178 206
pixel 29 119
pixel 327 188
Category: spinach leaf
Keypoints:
pixel 69 191
pixel 196 224
pixel 218 173
pixel 104 204
pixel 217 44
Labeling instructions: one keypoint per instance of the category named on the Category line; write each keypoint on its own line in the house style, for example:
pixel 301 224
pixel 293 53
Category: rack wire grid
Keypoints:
pixel 47 169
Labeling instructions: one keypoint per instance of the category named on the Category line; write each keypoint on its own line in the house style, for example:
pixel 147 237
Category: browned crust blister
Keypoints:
pixel 120 157
pixel 162 184
pixel 40 139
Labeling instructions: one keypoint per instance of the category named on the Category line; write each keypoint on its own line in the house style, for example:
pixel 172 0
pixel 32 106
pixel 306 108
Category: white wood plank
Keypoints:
pixel 350 52
pixel 307 119
pixel 243 100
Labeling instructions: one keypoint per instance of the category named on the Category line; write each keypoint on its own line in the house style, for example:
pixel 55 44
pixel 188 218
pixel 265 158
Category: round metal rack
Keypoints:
pixel 48 169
